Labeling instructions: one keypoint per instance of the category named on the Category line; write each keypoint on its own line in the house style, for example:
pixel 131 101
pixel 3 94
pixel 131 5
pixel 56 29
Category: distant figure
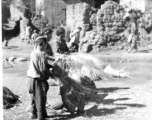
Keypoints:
pixel 131 19
pixel 47 33
pixel 75 39
pixel 61 24
pixel 67 34
pixel 59 45
pixel 34 36
pixel 132 40
pixel 28 33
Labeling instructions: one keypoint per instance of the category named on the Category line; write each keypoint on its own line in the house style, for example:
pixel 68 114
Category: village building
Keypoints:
pixel 73 13
pixel 56 10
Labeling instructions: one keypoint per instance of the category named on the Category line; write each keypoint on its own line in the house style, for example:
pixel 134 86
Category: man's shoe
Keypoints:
pixel 46 116
pixel 80 112
pixel 59 112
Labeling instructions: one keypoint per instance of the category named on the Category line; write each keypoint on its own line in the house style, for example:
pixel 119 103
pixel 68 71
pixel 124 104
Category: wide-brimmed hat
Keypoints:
pixel 59 31
pixel 47 29
pixel 40 39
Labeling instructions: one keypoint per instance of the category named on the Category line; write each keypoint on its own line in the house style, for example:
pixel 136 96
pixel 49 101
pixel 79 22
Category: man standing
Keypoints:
pixel 34 36
pixel 38 74
pixel 132 26
pixel 61 24
pixel 28 33
pixel 75 39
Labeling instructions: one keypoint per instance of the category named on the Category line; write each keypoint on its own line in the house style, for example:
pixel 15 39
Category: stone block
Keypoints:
pixel 78 15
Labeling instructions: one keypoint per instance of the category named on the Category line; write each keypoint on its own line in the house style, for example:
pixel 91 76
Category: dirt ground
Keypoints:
pixel 118 99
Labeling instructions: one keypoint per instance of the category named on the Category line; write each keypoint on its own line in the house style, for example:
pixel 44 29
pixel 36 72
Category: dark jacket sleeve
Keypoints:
pixel 66 47
pixel 49 50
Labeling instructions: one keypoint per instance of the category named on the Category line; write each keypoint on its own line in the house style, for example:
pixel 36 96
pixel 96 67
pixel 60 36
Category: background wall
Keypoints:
pixel 55 10
pixel 148 5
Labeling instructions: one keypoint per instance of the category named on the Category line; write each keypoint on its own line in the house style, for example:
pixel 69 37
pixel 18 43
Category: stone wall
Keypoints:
pixel 56 10
pixel 110 19
pixel 78 15
pixel 148 5
pixel 16 14
pixel 110 25
pixel 5 12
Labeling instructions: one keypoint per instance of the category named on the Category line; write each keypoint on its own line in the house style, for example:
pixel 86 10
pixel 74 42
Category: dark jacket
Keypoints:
pixel 59 46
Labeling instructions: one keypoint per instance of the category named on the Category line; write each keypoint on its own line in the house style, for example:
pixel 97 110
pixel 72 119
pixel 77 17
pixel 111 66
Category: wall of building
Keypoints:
pixel 78 15
pixel 15 15
pixel 5 13
pixel 148 5
pixel 55 10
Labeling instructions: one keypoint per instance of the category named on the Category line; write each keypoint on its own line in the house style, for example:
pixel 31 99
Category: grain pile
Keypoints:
pixel 9 98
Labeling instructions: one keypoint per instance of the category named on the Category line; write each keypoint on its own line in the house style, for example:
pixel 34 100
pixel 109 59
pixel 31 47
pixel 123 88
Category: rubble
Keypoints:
pixel 12 58
pixel 21 59
pixel 110 25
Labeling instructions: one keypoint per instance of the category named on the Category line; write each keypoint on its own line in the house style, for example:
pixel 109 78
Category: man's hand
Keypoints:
pixel 66 53
pixel 51 58
pixel 58 57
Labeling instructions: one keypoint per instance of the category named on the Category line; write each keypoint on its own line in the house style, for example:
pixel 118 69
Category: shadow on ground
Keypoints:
pixel 145 51
pixel 11 47
pixel 96 110
pixel 99 99
pixel 111 89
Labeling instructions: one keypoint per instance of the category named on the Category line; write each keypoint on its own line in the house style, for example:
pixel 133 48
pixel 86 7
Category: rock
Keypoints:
pixel 97 36
pixel 5 59
pixel 112 23
pixel 121 47
pixel 12 58
pixel 21 59
pixel 87 34
pixel 101 41
pixel 121 61
pixel 87 48
pixel 92 35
